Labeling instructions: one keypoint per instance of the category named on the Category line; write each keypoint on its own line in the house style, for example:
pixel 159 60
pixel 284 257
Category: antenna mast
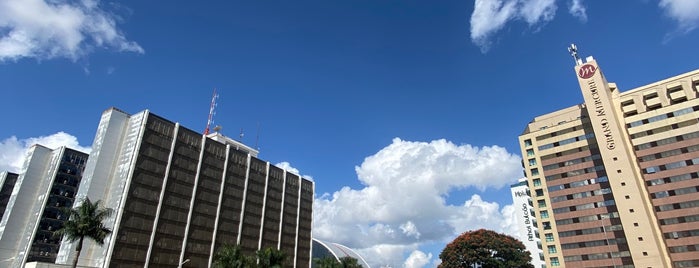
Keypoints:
pixel 211 112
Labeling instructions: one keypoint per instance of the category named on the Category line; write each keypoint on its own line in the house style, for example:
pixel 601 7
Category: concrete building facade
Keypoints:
pixel 527 222
pixel 46 183
pixel 179 195
pixel 615 180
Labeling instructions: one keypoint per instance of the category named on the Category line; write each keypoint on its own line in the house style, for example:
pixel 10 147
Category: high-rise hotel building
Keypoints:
pixel 31 203
pixel 615 180
pixel 178 196
pixel 528 233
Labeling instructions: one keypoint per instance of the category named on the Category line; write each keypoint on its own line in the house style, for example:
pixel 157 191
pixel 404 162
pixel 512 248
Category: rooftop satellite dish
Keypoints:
pixel 217 128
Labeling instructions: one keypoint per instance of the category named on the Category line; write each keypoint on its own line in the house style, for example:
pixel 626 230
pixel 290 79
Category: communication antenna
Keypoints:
pixel 257 136
pixel 211 113
pixel 573 50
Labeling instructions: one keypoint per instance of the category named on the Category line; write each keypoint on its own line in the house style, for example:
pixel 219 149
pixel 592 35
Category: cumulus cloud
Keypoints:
pixel 491 16
pixel 685 12
pixel 403 204
pixel 44 29
pixel 417 259
pixel 13 150
pixel 287 166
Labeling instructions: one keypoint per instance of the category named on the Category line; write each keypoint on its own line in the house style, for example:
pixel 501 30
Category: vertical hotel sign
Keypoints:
pixel 598 106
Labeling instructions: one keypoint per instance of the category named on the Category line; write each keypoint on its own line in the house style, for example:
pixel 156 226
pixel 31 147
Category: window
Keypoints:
pixel 552 249
pixel 547 225
pixel 544 214
pixel 535 172
pixel 527 143
pixel 539 192
pixel 530 152
pixel 541 203
pixel 554 262
pixel 532 162
pixel 549 237
pixel 537 182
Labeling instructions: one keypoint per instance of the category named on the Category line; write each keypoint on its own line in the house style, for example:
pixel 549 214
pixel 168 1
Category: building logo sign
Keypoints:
pixel 527 221
pixel 610 144
pixel 587 71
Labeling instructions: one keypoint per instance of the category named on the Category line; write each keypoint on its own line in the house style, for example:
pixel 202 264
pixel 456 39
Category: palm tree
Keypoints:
pixel 327 262
pixel 230 256
pixel 271 258
pixel 85 221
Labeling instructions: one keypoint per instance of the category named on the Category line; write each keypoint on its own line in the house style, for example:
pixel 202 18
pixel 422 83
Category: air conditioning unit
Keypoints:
pixel 675 235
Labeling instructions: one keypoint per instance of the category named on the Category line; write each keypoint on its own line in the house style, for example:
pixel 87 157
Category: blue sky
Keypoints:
pixel 405 113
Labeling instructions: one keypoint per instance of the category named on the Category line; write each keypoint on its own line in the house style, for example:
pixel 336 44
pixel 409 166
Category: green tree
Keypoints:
pixel 331 262
pixel 270 258
pixel 326 262
pixel 230 256
pixel 349 262
pixel 85 221
pixel 486 249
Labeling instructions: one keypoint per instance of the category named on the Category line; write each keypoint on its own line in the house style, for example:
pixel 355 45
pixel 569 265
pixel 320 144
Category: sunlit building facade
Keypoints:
pixel 32 200
pixel 615 180
pixel 178 196
pixel 526 221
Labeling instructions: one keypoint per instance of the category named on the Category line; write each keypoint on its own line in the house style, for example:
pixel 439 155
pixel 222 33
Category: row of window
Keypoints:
pixel 577 184
pixel 681 205
pixel 585 206
pixel 669 153
pixel 566 141
pixel 672 179
pixel 669 166
pixel 572 162
pixel 675 192
pixel 597 256
pixel 680 249
pixel 665 141
pixel 557 133
pixel 596 243
pixel 662 117
pixel 587 147
pixel 602 191
pixel 677 220
pixel 664 128
pixel 594 230
pixel 590 218
pixel 681 234
pixel 594 169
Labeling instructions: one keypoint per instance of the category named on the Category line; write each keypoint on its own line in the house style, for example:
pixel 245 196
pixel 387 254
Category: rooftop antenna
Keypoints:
pixel 211 113
pixel 257 136
pixel 573 50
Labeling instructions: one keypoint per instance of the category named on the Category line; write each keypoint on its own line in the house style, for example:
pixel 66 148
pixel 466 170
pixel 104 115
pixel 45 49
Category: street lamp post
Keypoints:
pixel 182 263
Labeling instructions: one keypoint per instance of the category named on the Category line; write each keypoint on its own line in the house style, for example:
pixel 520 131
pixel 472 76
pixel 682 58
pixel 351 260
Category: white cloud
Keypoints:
pixel 685 12
pixel 44 29
pixel 403 204
pixel 578 10
pixel 13 150
pixel 417 259
pixel 491 16
pixel 287 166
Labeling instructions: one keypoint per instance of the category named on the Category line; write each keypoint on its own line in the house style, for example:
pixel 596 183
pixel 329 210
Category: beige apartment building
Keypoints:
pixel 614 181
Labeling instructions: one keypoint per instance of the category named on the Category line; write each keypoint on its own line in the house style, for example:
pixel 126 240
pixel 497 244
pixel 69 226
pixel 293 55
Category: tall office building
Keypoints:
pixel 615 179
pixel 178 196
pixel 7 183
pixel 32 201
pixel 527 222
